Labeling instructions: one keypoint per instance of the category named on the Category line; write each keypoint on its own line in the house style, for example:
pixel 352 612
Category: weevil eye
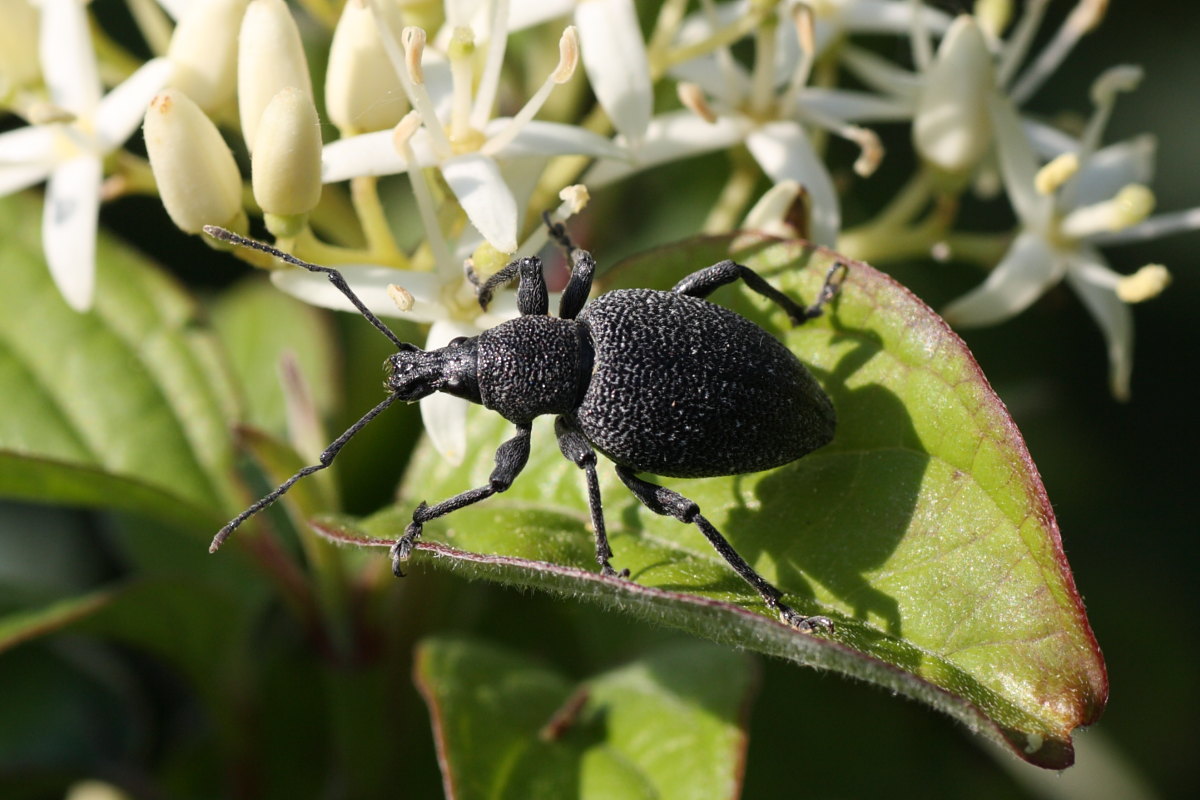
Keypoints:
pixel 457 340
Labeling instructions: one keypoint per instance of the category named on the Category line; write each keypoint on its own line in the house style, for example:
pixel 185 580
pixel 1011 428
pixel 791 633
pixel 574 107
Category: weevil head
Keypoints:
pixel 415 373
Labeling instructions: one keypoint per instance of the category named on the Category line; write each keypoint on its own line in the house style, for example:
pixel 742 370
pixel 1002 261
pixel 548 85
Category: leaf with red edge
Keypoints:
pixel 668 724
pixel 923 530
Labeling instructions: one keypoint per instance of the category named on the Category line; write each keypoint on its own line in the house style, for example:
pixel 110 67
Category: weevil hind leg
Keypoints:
pixel 668 503
pixel 702 283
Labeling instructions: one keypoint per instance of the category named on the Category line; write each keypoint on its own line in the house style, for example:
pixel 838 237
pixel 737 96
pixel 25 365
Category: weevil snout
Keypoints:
pixel 413 374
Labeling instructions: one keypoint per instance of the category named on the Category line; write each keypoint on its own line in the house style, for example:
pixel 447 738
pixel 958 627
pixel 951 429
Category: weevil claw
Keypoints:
pixel 401 550
pixel 804 624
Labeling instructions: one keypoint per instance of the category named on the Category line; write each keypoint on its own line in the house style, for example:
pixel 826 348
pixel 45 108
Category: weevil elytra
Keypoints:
pixel 661 382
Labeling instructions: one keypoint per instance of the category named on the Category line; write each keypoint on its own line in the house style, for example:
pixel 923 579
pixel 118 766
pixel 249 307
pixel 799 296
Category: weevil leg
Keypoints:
pixel 511 458
pixel 668 503
pixel 583 268
pixel 558 232
pixel 576 449
pixel 532 299
pixel 703 282
pixel 576 292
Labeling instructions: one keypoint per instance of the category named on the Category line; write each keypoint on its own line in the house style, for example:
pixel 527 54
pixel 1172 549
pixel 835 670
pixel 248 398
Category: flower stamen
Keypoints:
pixel 1147 283
pixel 568 60
pixel 1052 176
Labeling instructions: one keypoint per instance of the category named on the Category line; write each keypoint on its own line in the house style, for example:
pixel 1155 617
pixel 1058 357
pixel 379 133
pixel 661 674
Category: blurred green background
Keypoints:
pixel 1116 474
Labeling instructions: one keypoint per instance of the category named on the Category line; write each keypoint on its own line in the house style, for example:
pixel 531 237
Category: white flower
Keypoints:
pixel 457 133
pixel 948 93
pixel 1085 198
pixel 767 108
pixel 67 145
pixel 610 40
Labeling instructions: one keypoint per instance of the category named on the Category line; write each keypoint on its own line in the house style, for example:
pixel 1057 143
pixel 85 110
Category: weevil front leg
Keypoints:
pixel 576 449
pixel 532 299
pixel 583 268
pixel 703 282
pixel 668 503
pixel 511 458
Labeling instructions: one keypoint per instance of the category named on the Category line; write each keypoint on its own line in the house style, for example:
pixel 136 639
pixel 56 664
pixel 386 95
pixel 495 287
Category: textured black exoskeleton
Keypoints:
pixel 660 382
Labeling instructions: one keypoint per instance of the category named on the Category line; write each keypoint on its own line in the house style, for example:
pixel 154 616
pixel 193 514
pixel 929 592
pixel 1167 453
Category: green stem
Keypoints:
pixel 364 192
pixel 724 37
pixel 322 11
pixel 735 196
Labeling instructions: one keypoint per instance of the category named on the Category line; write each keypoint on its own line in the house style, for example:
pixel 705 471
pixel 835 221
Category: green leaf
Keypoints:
pixel 23 626
pixel 257 324
pixel 665 726
pixel 923 530
pixel 124 407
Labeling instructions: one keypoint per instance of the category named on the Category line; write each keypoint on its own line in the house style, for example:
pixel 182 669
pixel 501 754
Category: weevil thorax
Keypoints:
pixel 534 365
pixel 453 369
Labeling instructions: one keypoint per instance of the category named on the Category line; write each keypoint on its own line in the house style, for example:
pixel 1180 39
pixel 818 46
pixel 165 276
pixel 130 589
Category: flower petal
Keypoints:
pixel 1111 169
pixel 15 177
pixel 1018 165
pixel 365 154
pixel 26 157
pixel 852 106
pixel 1029 268
pixel 886 16
pixel 1092 280
pixel 1048 141
pixel 880 74
pixel 370 283
pixel 670 137
pixel 445 419
pixel 476 181
pixel 538 138
pixel 69 228
pixel 68 59
pixel 783 151
pixel 614 56
pixel 726 83
pixel 122 109
pixel 176 8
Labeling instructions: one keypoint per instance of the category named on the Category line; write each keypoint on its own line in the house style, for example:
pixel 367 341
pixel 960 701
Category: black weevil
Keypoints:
pixel 660 382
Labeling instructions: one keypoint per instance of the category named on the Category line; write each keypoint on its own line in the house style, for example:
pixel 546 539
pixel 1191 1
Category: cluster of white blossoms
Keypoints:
pixel 489 138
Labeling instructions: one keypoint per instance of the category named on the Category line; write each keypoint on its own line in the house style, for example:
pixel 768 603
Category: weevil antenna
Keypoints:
pixel 327 456
pixel 335 277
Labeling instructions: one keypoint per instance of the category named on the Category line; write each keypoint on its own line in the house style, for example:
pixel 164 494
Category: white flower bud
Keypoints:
pixel 951 128
pixel 19 66
pixel 362 90
pixel 197 178
pixel 270 58
pixel 285 170
pixel 204 50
